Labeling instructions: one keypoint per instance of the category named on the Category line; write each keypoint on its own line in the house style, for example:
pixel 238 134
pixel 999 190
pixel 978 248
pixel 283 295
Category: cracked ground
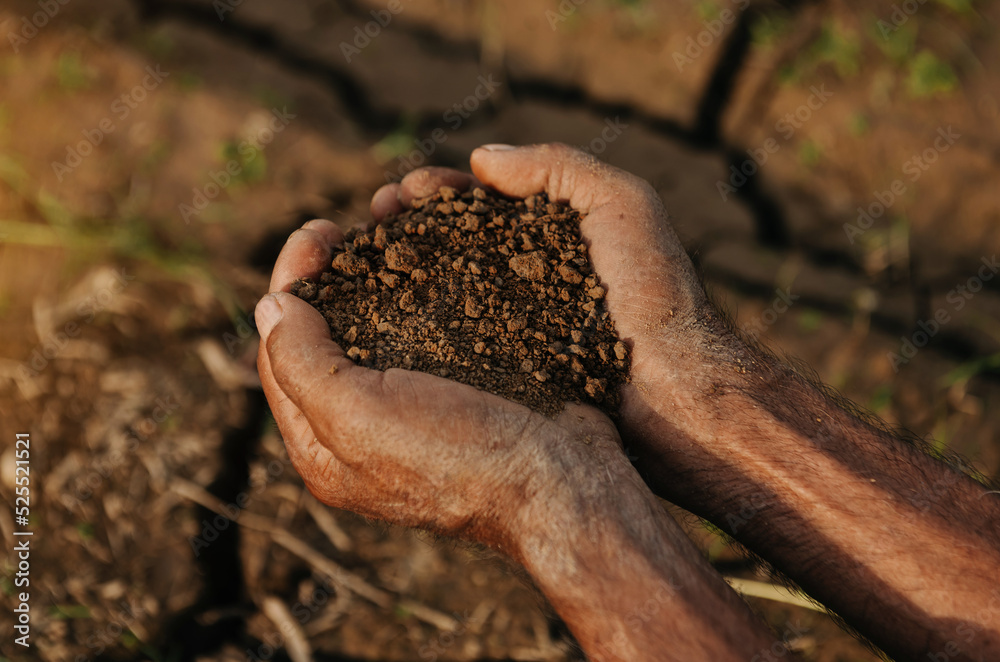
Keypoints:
pixel 817 159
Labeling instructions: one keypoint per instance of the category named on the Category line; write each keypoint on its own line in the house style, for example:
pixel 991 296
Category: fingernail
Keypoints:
pixel 266 315
pixel 498 147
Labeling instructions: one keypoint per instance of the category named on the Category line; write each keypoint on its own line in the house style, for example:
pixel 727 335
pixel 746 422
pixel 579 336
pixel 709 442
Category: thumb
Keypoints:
pixel 565 173
pixel 308 367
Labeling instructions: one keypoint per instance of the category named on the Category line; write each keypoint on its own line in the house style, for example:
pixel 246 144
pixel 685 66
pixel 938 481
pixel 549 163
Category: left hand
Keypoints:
pixel 408 447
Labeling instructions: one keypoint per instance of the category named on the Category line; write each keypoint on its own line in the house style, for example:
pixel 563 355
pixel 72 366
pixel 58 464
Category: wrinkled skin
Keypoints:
pixel 405 447
pixel 900 545
pixel 555 495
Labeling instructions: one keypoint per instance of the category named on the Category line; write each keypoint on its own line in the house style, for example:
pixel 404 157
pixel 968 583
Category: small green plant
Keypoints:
pixel 836 45
pixel 858 124
pixel 159 44
pixel 788 74
pixel 638 14
pixel 899 44
pixel 706 10
pixel 839 46
pixel 810 153
pixel 962 7
pixel 253 169
pixel 400 141
pixel 930 76
pixel 272 98
pixel 810 320
pixel 154 155
pixel 768 29
pixel 63 612
pixel 881 399
pixel 972 368
pixel 188 82
pixel 71 73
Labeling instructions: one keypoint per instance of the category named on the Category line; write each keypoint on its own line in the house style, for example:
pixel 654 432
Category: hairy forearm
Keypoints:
pixel 903 547
pixel 623 576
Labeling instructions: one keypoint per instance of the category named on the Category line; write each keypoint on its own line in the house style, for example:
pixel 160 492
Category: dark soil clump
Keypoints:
pixel 491 292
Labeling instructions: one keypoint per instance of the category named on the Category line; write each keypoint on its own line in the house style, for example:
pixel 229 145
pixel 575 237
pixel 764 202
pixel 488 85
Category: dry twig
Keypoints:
pixel 337 574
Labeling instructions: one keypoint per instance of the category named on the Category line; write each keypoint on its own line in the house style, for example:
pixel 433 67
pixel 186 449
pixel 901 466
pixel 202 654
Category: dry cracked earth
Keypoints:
pixel 830 169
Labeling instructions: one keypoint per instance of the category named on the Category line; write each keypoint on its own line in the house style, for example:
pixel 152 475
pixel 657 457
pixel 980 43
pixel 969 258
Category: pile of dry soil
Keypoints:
pixel 488 291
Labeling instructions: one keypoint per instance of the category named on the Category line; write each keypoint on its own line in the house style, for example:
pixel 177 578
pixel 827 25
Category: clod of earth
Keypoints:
pixel 491 292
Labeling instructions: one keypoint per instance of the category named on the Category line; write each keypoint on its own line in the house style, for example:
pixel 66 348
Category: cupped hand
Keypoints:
pixel 407 447
pixel 653 293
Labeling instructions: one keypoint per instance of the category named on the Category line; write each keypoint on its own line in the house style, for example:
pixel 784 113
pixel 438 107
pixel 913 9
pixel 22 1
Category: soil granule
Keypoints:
pixel 485 290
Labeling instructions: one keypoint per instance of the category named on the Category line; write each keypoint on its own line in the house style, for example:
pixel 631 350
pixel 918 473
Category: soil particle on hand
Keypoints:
pixel 570 275
pixel 485 290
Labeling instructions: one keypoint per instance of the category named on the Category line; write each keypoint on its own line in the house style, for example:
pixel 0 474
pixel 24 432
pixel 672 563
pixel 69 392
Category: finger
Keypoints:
pixel 328 229
pixel 566 174
pixel 385 202
pixel 318 467
pixel 312 370
pixel 623 212
pixel 290 420
pixel 590 423
pixel 423 182
pixel 306 254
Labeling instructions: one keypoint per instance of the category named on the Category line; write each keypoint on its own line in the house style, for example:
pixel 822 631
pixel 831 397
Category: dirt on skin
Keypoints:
pixel 492 292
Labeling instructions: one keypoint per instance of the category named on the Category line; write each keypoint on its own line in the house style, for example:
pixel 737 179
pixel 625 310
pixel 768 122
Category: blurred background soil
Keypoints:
pixel 130 260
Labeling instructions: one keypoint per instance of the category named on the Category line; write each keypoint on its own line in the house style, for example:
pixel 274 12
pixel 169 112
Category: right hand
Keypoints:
pixel 653 293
